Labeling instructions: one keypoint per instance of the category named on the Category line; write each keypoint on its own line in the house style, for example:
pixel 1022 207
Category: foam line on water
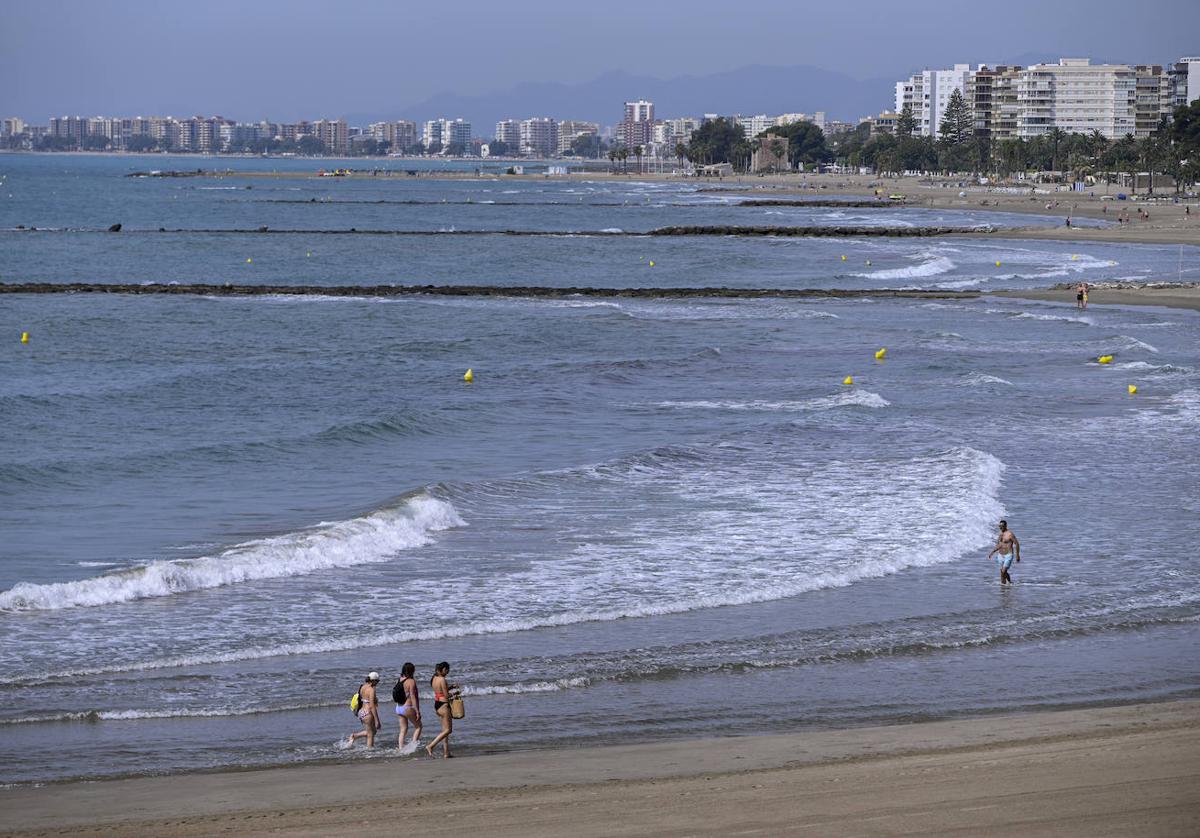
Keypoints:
pixel 376 537
pixel 854 398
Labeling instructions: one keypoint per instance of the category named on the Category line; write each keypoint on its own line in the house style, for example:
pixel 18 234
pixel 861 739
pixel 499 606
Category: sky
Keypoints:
pixel 292 59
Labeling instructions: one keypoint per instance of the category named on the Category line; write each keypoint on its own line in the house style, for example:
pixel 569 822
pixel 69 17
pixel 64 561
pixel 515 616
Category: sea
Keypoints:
pixel 644 519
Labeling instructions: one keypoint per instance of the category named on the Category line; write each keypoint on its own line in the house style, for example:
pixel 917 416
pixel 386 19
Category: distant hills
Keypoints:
pixel 748 90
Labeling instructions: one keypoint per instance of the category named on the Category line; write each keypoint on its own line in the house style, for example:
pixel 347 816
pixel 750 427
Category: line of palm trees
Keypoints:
pixel 622 154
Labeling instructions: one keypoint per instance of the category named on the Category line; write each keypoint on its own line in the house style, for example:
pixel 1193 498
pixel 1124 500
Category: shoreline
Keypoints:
pixel 1167 296
pixel 1105 770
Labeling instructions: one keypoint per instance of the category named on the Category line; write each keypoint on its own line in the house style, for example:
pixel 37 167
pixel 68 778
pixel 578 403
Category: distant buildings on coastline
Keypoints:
pixel 1005 102
pixel 1074 95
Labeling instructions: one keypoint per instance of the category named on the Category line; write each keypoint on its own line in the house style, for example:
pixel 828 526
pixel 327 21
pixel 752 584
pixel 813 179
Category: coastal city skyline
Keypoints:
pixel 1005 101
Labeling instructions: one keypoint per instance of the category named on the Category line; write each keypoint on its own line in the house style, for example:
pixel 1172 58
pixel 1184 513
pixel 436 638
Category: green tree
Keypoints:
pixel 806 143
pixel 906 123
pixel 638 151
pixel 310 145
pixel 141 142
pixel 456 149
pixel 587 145
pixel 714 141
pixel 958 125
pixel 498 148
pixel 434 147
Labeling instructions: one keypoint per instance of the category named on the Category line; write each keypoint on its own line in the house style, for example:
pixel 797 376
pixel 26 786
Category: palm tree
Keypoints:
pixel 612 157
pixel 637 152
pixel 623 155
pixel 680 153
pixel 1057 135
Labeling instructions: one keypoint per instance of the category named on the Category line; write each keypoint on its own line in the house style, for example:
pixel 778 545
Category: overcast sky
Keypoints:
pixel 287 59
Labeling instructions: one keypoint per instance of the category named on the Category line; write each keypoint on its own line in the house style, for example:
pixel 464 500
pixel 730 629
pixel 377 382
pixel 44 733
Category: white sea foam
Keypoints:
pixel 932 264
pixel 1029 315
pixel 1130 342
pixel 739 544
pixel 534 687
pixel 376 537
pixel 982 379
pixel 852 398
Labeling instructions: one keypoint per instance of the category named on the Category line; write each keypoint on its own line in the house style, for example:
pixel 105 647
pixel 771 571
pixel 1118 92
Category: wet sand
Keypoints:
pixel 1169 297
pixel 1106 771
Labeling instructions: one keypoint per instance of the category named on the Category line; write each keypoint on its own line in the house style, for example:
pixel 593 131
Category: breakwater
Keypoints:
pixel 529 291
pixel 815 231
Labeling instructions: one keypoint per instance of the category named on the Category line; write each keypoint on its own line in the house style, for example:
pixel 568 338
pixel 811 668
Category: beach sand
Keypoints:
pixel 1104 771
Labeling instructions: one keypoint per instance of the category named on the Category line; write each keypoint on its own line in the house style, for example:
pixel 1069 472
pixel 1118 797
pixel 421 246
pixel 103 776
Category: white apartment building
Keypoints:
pixel 508 131
pixel 669 132
pixel 754 125
pixel 928 93
pixel 432 133
pixel 1076 96
pixel 539 137
pixel 12 126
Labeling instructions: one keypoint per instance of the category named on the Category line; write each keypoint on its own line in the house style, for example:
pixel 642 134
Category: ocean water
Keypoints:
pixel 644 519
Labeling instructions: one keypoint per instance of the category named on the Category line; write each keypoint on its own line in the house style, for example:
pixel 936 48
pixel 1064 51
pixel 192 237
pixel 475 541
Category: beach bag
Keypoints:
pixel 356 702
pixel 458 710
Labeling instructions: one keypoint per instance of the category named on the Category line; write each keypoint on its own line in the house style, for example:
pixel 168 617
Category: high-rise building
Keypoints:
pixel 1075 95
pixel 12 127
pixel 508 131
pixel 992 96
pixel 671 132
pixel 68 127
pixel 539 137
pixel 637 127
pixel 928 93
pixel 752 126
pixel 457 133
pixel 569 130
pixel 334 133
pixel 433 133
pixel 1185 81
pixel 400 134
pixel 1152 99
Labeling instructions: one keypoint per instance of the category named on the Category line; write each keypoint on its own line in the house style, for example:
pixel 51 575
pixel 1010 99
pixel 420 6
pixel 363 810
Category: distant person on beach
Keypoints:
pixel 368 710
pixel 1081 295
pixel 1007 548
pixel 408 706
pixel 442 691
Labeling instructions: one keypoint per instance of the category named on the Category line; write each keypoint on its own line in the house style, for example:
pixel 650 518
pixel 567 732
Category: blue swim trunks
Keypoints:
pixel 1005 562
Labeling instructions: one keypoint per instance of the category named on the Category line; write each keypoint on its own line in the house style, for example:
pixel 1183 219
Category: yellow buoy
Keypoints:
pixel 1105 359
pixel 1132 389
pixel 309 253
pixel 469 376
pixel 652 263
pixel 248 260
pixel 843 257
pixel 24 337
pixel 882 352
pixel 1074 257
pixel 848 379
pixel 997 263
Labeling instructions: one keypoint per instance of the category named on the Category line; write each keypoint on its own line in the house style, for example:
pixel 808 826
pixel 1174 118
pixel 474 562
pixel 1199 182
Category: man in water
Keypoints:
pixel 1007 548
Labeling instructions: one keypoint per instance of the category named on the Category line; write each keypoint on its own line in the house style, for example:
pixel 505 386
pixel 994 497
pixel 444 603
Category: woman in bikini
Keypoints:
pixel 442 691
pixel 408 706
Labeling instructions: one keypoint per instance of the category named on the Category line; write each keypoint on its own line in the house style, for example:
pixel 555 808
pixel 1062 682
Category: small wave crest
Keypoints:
pixel 376 537
pixel 856 398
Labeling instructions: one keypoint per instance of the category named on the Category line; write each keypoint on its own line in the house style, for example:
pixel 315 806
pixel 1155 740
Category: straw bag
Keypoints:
pixel 458 710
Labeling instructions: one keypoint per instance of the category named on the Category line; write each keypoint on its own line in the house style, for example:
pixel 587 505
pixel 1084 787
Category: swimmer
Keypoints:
pixel 1007 548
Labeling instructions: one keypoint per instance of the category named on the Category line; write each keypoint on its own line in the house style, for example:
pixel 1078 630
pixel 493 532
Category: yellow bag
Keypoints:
pixel 458 710
pixel 356 702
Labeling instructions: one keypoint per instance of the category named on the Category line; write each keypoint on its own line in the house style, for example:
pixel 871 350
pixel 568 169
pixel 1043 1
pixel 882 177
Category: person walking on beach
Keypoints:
pixel 442 691
pixel 408 706
pixel 1081 294
pixel 368 710
pixel 1007 548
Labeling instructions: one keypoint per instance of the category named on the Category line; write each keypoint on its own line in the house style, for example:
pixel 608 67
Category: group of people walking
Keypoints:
pixel 408 708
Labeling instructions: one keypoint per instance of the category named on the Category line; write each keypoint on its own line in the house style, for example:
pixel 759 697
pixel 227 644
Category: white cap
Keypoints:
pixel 372 676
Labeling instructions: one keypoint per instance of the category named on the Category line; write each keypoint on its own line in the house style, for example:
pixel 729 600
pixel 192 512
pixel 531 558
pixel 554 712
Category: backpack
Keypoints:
pixel 356 702
pixel 398 694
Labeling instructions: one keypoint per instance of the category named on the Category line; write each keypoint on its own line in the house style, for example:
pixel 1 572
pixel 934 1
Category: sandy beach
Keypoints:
pixel 1104 771
pixel 1168 297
